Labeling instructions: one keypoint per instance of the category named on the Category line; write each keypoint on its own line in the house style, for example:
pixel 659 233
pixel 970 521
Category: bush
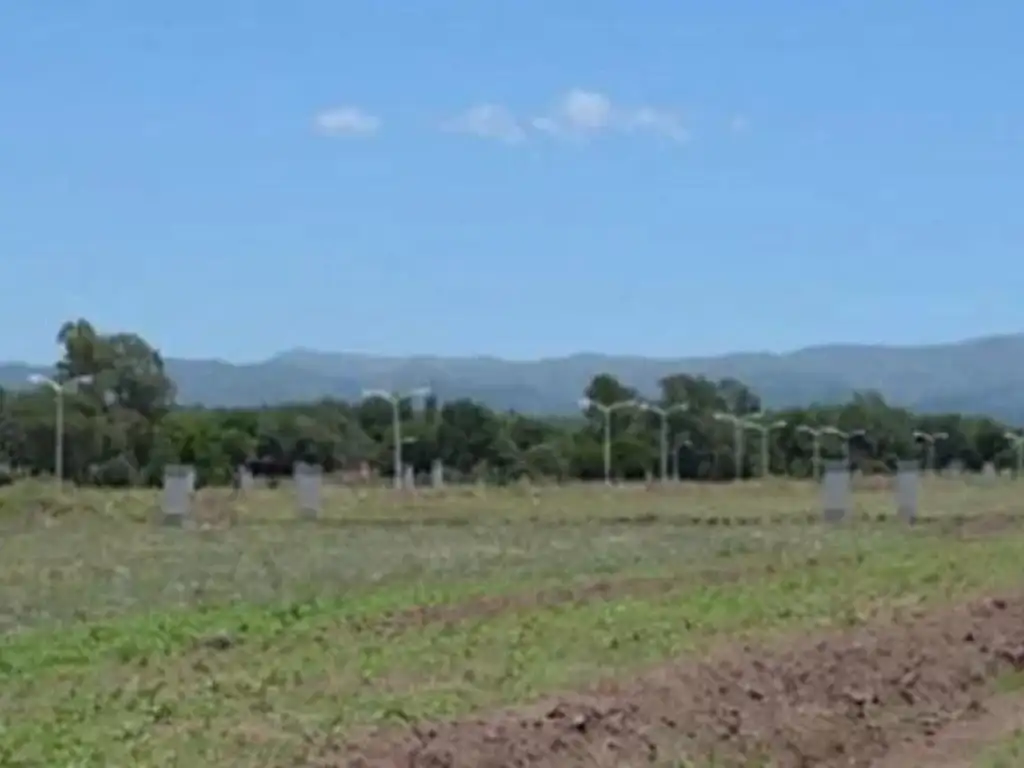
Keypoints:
pixel 116 473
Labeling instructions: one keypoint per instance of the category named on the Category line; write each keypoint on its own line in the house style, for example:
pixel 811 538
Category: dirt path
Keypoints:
pixel 959 744
pixel 839 699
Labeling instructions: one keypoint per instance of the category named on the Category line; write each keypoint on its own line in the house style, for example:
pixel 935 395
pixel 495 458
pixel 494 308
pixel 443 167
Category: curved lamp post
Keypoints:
pixel 930 438
pixel 395 398
pixel 663 414
pixel 765 431
pixel 607 411
pixel 677 444
pixel 59 388
pixel 846 437
pixel 815 434
pixel 737 447
pixel 1017 441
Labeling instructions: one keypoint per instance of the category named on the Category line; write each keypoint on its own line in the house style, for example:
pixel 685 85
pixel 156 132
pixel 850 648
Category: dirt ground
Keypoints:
pixel 850 698
pixel 601 590
pixel 959 744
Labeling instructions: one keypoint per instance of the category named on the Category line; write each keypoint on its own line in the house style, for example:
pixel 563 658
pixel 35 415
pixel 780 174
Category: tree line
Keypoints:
pixel 121 427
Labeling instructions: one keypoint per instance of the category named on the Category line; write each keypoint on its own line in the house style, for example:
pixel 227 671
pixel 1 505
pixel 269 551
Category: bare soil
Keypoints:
pixel 981 526
pixel 488 606
pixel 839 699
pixel 959 744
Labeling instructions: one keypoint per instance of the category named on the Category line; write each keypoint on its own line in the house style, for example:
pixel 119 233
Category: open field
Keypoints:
pixel 692 625
pixel 753 501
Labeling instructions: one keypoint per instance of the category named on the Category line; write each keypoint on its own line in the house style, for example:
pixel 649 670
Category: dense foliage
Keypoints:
pixel 121 426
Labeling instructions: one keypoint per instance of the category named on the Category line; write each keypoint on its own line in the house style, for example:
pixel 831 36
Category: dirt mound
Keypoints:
pixel 842 699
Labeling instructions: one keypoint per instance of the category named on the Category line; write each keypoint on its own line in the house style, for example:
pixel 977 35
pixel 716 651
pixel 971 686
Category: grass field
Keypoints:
pixel 1006 754
pixel 251 638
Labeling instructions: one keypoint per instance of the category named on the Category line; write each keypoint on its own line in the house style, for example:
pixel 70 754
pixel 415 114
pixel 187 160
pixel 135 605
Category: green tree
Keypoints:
pixel 124 427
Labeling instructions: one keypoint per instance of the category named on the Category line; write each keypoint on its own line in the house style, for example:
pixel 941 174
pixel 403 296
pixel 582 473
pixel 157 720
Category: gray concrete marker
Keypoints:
pixel 988 473
pixel 176 502
pixel 245 479
pixel 908 475
pixel 308 489
pixel 835 487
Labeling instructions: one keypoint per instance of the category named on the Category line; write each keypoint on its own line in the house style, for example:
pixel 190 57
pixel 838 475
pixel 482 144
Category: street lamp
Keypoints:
pixel 395 398
pixel 737 424
pixel 677 444
pixel 846 437
pixel 930 438
pixel 663 414
pixel 607 410
pixel 815 434
pixel 1017 441
pixel 58 390
pixel 765 430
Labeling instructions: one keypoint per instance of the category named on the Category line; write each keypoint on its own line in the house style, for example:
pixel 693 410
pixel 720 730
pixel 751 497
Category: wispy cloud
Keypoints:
pixel 578 114
pixel 581 113
pixel 346 121
pixel 488 121
pixel 739 124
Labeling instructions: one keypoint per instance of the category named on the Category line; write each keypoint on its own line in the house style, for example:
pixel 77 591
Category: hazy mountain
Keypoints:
pixel 983 375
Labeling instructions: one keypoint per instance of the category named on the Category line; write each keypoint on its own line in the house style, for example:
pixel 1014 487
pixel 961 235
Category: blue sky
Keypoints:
pixel 237 177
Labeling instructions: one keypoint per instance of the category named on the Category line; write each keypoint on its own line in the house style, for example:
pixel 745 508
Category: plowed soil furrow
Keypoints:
pixel 838 699
pixel 960 744
pixel 488 606
pixel 615 588
pixel 705 519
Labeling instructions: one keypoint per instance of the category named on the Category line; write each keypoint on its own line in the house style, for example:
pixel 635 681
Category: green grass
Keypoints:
pixel 139 692
pixel 1007 754
pixel 108 625
pixel 569 504
pixel 85 570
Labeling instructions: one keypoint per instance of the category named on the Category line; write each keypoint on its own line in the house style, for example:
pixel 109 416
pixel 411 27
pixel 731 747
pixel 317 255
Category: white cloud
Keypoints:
pixel 580 113
pixel 488 121
pixel 584 111
pixel 346 121
pixel 656 121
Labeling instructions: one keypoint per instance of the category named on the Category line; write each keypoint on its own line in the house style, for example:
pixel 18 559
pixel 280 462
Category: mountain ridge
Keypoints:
pixel 977 375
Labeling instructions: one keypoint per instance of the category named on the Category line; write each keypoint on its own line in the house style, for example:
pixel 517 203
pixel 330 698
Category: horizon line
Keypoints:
pixel 276 356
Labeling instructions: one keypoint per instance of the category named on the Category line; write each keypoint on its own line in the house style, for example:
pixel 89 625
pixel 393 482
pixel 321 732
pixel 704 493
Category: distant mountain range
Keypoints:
pixel 983 375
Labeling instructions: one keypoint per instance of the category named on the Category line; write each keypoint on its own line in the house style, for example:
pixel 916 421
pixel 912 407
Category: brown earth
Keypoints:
pixel 959 744
pixel 980 526
pixel 837 699
pixel 218 516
